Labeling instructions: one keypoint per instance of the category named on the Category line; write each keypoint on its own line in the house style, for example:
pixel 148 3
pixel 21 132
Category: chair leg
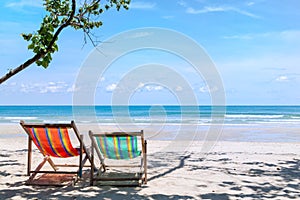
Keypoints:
pixel 39 167
pixel 29 156
pixel 92 166
pixel 80 157
pixel 145 162
pixel 84 160
pixel 50 161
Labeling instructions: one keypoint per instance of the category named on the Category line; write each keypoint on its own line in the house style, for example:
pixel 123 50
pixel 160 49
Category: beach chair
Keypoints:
pixel 53 141
pixel 121 150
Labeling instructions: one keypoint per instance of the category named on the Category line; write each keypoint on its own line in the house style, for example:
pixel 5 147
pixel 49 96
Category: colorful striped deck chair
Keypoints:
pixel 119 147
pixel 53 141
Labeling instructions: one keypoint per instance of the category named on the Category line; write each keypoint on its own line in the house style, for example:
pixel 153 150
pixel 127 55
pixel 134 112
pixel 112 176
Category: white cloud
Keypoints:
pixel 53 87
pixel 208 9
pixel 73 88
pixel 250 3
pixel 111 87
pixel 140 34
pixel 142 5
pixel 10 84
pixel 50 89
pixel 168 17
pixel 150 87
pixel 286 35
pixel 207 89
pixel 141 85
pixel 24 3
pixel 25 88
pixel 178 88
pixel 42 88
pixel 220 8
pixel 182 3
pixel 275 68
pixel 282 79
pixel 8 87
pixel 153 88
pixel 245 13
pixel 290 35
pixel 240 37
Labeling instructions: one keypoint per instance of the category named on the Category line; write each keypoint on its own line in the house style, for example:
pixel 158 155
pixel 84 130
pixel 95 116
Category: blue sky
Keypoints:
pixel 255 46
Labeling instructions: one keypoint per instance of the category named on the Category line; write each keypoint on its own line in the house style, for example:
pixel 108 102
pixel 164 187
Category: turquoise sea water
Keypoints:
pixel 151 114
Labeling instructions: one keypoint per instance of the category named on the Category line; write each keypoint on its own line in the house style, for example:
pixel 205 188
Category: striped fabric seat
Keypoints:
pixel 118 147
pixel 53 141
pixel 115 151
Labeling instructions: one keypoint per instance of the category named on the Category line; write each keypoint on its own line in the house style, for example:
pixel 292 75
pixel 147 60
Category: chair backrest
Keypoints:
pixel 52 139
pixel 117 145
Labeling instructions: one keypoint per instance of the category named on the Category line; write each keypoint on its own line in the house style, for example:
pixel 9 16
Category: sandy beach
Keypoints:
pixel 210 85
pixel 237 167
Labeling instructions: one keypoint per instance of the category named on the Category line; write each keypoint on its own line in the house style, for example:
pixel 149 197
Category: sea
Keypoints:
pixel 176 123
pixel 154 114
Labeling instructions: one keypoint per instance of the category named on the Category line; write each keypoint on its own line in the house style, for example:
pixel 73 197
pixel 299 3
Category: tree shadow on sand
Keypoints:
pixel 285 183
pixel 163 161
pixel 75 192
pixel 84 191
pixel 248 181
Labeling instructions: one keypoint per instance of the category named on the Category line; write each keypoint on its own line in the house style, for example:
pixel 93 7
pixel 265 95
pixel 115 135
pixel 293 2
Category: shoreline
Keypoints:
pixel 233 133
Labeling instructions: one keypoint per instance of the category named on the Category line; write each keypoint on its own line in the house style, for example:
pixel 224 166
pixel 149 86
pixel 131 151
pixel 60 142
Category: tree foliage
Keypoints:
pixel 80 15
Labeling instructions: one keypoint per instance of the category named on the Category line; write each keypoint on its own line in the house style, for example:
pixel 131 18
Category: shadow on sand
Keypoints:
pixel 82 190
pixel 285 183
pixel 285 180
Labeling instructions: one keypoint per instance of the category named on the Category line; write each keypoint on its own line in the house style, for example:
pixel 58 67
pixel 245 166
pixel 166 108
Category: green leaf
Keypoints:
pixel 30 46
pixel 58 13
pixel 26 37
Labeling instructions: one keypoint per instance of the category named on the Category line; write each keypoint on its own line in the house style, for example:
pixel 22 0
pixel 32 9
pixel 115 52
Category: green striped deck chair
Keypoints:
pixel 119 146
pixel 53 141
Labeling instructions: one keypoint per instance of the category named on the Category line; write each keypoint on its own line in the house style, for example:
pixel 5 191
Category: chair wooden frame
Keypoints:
pixel 47 158
pixel 94 176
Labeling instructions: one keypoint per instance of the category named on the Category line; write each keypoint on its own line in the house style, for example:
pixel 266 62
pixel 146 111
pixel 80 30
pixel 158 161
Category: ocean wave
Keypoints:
pixel 56 122
pixel 19 118
pixel 239 116
pixel 16 119
pixel 143 115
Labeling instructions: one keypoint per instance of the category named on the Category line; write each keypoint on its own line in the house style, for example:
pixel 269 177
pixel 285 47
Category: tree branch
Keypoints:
pixel 42 54
pixel 62 15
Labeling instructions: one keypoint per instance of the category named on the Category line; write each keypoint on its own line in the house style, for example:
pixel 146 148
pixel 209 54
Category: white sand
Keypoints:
pixel 231 170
